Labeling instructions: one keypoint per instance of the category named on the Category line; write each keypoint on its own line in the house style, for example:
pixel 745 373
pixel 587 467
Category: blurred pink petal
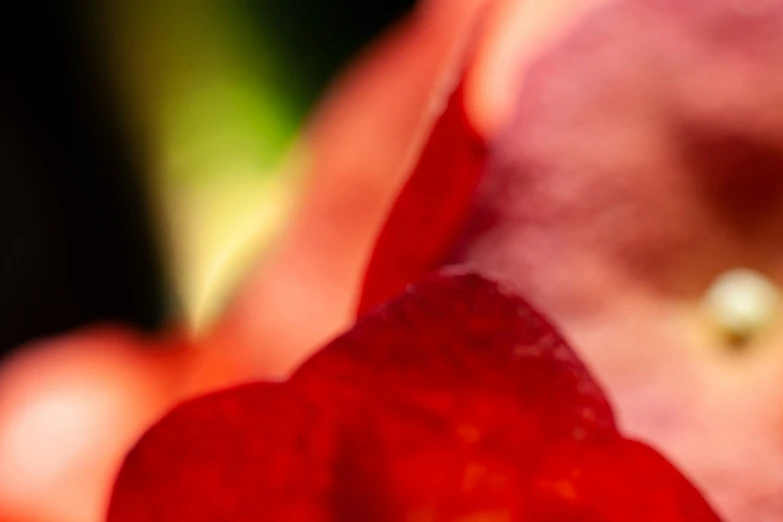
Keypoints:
pixel 69 409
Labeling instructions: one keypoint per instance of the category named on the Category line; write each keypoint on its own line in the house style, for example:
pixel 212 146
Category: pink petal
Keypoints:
pixel 643 161
pixel 70 407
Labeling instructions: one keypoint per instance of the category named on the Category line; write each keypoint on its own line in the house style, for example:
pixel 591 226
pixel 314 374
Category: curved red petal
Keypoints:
pixel 457 399
pixel 457 336
pixel 454 400
pixel 427 214
pixel 615 480
pixel 252 453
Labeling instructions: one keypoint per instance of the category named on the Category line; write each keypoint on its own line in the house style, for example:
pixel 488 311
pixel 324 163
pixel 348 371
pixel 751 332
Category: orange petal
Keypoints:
pixel 359 144
pixel 69 409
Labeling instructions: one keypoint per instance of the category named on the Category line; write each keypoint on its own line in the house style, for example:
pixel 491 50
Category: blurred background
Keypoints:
pixel 141 144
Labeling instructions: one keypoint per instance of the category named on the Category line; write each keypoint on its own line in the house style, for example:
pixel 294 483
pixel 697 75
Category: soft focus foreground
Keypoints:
pixel 69 410
pixel 679 381
pixel 454 401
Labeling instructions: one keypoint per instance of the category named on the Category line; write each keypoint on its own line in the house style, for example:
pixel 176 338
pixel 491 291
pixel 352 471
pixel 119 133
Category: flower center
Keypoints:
pixel 741 303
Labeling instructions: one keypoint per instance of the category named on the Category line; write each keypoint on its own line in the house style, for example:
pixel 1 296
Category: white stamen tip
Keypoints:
pixel 742 302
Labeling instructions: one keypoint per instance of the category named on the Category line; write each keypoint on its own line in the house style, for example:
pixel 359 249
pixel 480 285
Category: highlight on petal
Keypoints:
pixel 455 401
pixel 70 407
pixel 518 32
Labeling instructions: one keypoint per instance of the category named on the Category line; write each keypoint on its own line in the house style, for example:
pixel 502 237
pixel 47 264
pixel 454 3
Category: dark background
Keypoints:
pixel 76 238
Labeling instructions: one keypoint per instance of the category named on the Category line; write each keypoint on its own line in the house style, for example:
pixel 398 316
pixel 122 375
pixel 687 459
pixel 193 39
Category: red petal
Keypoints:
pixel 615 481
pixel 465 337
pixel 456 399
pixel 430 209
pixel 253 453
pixel 451 401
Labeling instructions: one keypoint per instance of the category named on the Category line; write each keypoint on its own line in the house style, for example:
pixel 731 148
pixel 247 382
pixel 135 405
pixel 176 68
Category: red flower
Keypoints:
pixel 636 196
pixel 455 401
pixel 638 161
